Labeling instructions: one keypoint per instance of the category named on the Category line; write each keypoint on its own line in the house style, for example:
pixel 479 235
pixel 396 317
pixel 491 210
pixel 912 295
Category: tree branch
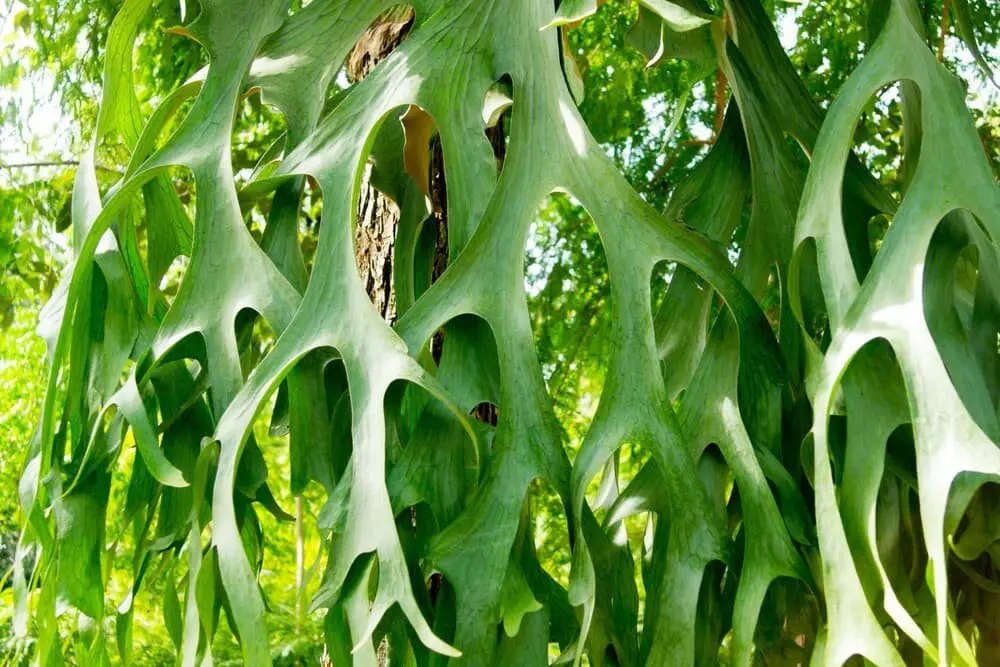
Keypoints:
pixel 944 29
pixel 669 162
pixel 52 163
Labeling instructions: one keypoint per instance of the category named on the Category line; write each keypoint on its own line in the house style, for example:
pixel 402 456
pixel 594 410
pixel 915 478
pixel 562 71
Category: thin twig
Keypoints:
pixel 721 83
pixel 27 165
pixel 944 29
pixel 669 162
pixel 300 565
pixel 720 102
pixel 52 163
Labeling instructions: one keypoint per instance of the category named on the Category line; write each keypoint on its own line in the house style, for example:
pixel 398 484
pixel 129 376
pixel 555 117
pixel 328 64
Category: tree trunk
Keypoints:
pixel 375 245
pixel 378 216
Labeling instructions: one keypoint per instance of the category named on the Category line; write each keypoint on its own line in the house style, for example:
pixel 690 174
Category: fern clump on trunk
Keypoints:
pixel 820 416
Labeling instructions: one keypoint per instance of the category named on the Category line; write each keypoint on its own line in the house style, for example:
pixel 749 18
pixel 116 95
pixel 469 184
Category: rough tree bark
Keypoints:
pixel 378 215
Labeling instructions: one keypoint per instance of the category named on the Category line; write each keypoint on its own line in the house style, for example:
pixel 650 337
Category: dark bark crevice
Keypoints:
pixel 375 246
pixel 378 216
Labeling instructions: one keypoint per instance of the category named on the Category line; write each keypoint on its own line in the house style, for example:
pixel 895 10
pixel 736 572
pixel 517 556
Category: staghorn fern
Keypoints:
pixel 819 479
